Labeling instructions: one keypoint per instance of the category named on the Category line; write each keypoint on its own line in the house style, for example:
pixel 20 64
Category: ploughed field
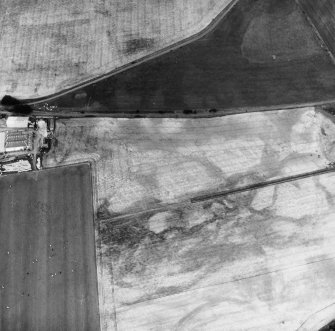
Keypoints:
pixel 48 277
pixel 49 46
pixel 262 53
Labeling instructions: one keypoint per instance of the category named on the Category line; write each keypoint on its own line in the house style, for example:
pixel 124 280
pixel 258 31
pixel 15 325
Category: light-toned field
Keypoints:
pixel 48 46
pixel 260 260
pixel 145 163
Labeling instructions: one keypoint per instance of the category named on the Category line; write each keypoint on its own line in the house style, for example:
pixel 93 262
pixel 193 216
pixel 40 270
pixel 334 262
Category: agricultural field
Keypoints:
pixel 262 53
pixel 148 223
pixel 48 46
pixel 240 260
pixel 48 277
pixel 142 164
pixel 259 260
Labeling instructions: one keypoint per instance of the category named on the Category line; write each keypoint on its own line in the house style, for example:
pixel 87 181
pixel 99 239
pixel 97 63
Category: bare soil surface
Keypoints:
pixel 48 46
pixel 146 163
pixel 237 261
pixel 258 260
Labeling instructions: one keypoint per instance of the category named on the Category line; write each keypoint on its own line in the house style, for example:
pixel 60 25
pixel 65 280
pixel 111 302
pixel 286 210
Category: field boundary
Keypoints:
pixel 319 319
pixel 215 21
pixel 92 162
pixel 66 113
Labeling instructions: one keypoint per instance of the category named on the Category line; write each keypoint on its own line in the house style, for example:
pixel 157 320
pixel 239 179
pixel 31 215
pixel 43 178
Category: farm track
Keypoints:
pixel 227 193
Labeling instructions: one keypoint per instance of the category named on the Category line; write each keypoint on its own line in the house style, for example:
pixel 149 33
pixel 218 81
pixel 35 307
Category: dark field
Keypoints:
pixel 322 14
pixel 263 53
pixel 48 273
pixel 329 327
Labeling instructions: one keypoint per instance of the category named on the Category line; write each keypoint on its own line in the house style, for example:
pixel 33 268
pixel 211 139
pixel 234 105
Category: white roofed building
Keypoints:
pixel 17 122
